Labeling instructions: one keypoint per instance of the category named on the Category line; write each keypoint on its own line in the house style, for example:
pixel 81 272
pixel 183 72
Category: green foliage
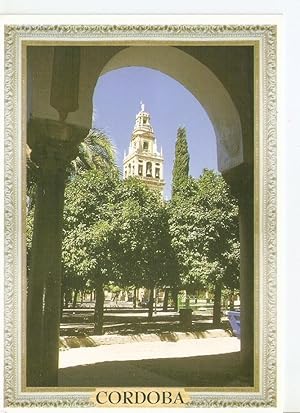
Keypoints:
pixel 87 196
pixel 95 152
pixel 77 264
pixel 145 254
pixel 88 242
pixel 121 233
pixel 181 162
pixel 204 229
pixel 116 232
pixel 87 227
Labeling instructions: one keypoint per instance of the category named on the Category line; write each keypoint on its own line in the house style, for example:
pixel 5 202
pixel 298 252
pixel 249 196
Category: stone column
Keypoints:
pixel 54 144
pixel 246 220
pixel 240 180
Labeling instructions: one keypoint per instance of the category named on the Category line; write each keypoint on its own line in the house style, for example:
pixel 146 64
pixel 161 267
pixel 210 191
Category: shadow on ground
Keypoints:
pixel 221 370
pixel 82 340
pixel 119 322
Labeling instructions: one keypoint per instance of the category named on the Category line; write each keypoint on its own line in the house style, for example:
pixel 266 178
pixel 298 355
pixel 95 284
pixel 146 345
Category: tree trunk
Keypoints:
pixel 62 303
pixel 134 298
pixel 166 300
pixel 99 310
pixel 231 301
pixel 217 304
pixel 175 299
pixel 68 297
pixel 151 302
pixel 75 298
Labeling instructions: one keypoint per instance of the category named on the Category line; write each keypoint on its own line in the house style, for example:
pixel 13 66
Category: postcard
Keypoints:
pixel 140 209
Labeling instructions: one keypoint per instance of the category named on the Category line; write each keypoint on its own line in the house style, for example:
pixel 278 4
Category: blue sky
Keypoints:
pixel 117 99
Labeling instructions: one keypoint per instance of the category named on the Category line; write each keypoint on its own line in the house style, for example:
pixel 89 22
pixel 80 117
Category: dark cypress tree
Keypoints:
pixel 181 162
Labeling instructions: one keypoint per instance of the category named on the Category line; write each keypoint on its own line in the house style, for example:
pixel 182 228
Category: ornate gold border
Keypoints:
pixel 265 177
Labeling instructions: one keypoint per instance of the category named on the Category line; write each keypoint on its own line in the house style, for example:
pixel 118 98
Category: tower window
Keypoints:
pixel 144 121
pixel 140 170
pixel 157 172
pixel 148 169
pixel 145 146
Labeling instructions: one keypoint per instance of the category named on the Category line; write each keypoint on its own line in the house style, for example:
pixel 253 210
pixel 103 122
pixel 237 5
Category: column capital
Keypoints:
pixel 53 143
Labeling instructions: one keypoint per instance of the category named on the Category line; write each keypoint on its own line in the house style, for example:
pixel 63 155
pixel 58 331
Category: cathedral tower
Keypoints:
pixel 143 159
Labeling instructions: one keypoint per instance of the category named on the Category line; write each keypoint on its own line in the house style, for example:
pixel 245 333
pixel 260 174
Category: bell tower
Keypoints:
pixel 143 159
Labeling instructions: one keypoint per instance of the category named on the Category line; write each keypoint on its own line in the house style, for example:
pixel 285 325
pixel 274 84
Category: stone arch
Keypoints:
pixel 195 76
pixel 202 83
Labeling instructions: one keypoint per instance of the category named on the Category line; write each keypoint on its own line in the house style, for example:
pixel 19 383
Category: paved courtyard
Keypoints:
pixel 197 362
pixel 134 351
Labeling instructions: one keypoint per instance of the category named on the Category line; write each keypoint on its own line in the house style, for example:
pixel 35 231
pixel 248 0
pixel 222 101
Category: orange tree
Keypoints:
pixel 146 257
pixel 204 229
pixel 87 235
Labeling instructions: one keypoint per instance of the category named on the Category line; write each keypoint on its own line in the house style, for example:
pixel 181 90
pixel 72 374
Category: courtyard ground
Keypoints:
pixel 192 363
pixel 136 352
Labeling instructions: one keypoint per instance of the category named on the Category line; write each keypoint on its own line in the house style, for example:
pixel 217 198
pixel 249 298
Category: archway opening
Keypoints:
pixel 123 88
pixel 116 102
pixel 205 87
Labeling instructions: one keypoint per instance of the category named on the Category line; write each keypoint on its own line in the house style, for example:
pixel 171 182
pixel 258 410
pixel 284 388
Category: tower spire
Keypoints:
pixel 143 159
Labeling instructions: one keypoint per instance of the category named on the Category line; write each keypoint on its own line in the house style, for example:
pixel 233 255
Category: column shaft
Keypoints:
pixel 247 283
pixel 240 180
pixel 53 145
pixel 45 281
